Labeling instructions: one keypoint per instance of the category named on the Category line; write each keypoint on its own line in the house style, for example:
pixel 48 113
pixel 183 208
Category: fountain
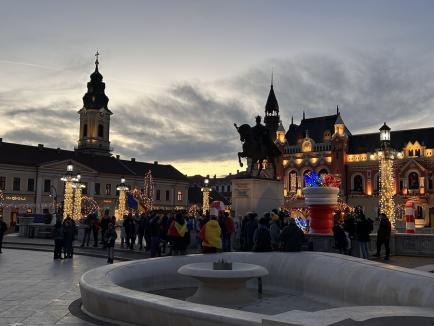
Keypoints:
pixel 222 283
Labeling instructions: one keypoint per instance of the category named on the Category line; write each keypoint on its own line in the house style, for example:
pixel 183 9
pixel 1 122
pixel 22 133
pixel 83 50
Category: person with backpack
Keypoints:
pixel 261 237
pixel 364 227
pixel 383 236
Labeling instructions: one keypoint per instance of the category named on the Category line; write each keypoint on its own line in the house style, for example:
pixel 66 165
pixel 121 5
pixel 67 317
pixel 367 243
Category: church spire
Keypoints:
pixel 95 97
pixel 292 119
pixel 304 115
pixel 96 61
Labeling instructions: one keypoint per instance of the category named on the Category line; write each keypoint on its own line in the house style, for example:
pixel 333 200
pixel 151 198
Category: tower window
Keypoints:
pixel 85 130
pixel 167 195
pixel 100 131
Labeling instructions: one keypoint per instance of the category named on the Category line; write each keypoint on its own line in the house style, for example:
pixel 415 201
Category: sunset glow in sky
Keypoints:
pixel 180 73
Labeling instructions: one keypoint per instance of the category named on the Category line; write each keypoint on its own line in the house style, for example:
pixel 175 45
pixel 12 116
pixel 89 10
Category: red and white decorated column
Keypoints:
pixel 410 212
pixel 322 202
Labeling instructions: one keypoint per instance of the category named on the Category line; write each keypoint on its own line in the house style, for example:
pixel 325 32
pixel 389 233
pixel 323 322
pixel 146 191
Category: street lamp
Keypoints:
pixel 69 191
pixel 53 194
pixel 386 156
pixel 78 186
pixel 205 198
pixel 122 188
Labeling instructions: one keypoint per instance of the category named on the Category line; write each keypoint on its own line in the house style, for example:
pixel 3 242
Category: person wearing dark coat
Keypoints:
pixel 350 228
pixel 291 237
pixel 251 227
pixel 383 236
pixel 95 228
pixel 341 242
pixel 58 239
pixel 3 229
pixel 129 231
pixel 180 235
pixel 364 227
pixel 141 230
pixel 110 238
pixel 87 228
pixel 154 234
pixel 261 237
pixel 68 236
pixel 104 227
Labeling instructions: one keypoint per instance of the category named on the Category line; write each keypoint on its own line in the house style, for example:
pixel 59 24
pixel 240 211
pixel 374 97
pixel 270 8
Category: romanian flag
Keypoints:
pixel 134 203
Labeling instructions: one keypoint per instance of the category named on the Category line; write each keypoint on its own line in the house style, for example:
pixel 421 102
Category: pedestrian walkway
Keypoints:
pixel 37 290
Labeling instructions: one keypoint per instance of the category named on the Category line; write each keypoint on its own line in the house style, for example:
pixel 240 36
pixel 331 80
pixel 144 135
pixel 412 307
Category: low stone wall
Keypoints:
pixel 110 291
pixel 402 244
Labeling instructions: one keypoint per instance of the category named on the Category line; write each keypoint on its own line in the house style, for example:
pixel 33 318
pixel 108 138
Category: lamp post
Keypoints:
pixel 122 188
pixel 386 155
pixel 68 178
pixel 205 199
pixel 53 194
pixel 78 186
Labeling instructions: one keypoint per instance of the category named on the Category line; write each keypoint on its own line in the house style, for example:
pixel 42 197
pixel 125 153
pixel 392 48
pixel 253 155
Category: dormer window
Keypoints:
pixel 100 131
pixel 327 136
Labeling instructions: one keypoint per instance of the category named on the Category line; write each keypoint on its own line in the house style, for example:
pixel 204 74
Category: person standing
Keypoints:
pixel 210 234
pixel 68 236
pixel 178 231
pixel 291 237
pixel 251 227
pixel 141 230
pixel 364 227
pixel 154 234
pixel 58 239
pixel 341 241
pixel 95 229
pixel 87 228
pixel 261 237
pixel 104 227
pixel 110 238
pixel 129 231
pixel 383 236
pixel 228 228
pixel 275 231
pixel 3 229
pixel 350 229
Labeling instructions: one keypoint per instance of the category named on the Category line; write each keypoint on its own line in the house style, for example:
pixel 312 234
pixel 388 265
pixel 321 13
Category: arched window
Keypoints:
pixel 167 195
pixel 85 130
pixel 292 181
pixel 413 180
pixel 410 152
pixel 100 131
pixel 327 135
pixel 377 182
pixel 158 195
pixel 358 183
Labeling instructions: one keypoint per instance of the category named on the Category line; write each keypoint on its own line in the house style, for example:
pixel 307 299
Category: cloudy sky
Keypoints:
pixel 180 73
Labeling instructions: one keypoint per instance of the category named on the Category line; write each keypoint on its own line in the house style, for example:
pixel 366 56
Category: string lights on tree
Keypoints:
pixel 122 188
pixel 88 205
pixel 205 198
pixel 78 187
pixel 148 191
pixel 68 178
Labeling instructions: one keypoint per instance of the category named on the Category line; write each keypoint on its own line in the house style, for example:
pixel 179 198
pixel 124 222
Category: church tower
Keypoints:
pixel 95 117
pixel 272 117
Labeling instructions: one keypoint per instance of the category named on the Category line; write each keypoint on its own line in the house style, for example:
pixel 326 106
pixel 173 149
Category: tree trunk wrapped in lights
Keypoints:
pixel 148 191
pixel 68 200
pixel 387 189
pixel 120 211
pixel 77 202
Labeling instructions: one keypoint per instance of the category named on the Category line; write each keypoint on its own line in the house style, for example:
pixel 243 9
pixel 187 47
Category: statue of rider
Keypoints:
pixel 260 134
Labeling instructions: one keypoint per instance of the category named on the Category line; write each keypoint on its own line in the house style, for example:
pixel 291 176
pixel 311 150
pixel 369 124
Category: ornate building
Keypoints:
pixel 326 145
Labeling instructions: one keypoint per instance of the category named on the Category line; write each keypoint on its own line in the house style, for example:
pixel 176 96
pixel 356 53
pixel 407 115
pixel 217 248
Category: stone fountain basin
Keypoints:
pixel 362 290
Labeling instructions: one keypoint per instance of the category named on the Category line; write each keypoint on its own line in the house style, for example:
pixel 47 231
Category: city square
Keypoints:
pixel 191 186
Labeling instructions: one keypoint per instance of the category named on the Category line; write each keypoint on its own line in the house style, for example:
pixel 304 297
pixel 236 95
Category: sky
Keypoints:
pixel 179 73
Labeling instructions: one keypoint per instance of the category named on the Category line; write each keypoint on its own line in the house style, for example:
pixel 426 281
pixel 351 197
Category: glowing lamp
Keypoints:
pixel 69 168
pixel 385 133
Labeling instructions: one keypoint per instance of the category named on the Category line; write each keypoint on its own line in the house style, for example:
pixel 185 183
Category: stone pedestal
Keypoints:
pixel 256 195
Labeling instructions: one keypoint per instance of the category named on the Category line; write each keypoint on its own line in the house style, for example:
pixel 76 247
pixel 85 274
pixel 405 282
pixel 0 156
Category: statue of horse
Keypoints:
pixel 258 148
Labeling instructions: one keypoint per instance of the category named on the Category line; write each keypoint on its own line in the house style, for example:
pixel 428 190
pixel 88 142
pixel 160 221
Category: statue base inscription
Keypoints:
pixel 256 195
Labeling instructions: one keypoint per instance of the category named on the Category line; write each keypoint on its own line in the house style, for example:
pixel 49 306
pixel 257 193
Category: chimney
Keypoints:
pixel 117 157
pixel 155 162
pixel 133 159
pixel 238 171
pixel 58 150
pixel 230 173
pixel 215 176
pixel 40 146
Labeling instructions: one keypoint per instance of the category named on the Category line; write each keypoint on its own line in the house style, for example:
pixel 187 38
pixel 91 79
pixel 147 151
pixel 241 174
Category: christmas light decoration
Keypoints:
pixel 205 197
pixel 148 191
pixel 88 205
pixel 120 211
pixel 387 191
pixel 68 200
pixel 2 200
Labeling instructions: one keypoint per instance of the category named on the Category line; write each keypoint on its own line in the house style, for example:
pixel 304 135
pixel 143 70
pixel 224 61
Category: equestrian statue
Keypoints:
pixel 258 145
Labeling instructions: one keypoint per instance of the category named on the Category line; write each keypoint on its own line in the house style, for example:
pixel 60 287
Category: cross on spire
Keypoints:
pixel 272 77
pixel 96 61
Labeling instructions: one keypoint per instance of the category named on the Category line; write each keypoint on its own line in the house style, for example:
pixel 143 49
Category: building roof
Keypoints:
pixel 315 127
pixel 272 105
pixel 17 154
pixel 365 143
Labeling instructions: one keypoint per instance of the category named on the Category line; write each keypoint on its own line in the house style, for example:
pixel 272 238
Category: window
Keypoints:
pixel 47 185
pixel 228 188
pixel 2 183
pixel 223 188
pixel 167 195
pixel 413 180
pixel 158 195
pixel 179 196
pixel 377 182
pixel 16 185
pixel 358 183
pixel 417 152
pixel 97 188
pixel 327 135
pixel 430 183
pixel 108 189
pixel 85 130
pixel 410 152
pixel 30 184
pixel 100 131
pixel 217 188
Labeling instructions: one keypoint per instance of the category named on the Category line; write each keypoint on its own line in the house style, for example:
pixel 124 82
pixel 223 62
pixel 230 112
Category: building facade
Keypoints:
pixel 325 144
pixel 30 176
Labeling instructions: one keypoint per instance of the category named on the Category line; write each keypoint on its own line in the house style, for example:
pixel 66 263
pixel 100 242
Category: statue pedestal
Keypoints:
pixel 256 195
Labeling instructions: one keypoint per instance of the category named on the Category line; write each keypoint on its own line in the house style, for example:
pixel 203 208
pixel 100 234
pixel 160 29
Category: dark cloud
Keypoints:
pixel 193 122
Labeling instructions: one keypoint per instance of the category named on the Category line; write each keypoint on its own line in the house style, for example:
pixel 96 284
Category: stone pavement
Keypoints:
pixel 37 290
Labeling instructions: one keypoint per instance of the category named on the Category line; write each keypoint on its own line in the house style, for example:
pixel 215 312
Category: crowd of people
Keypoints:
pixel 354 231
